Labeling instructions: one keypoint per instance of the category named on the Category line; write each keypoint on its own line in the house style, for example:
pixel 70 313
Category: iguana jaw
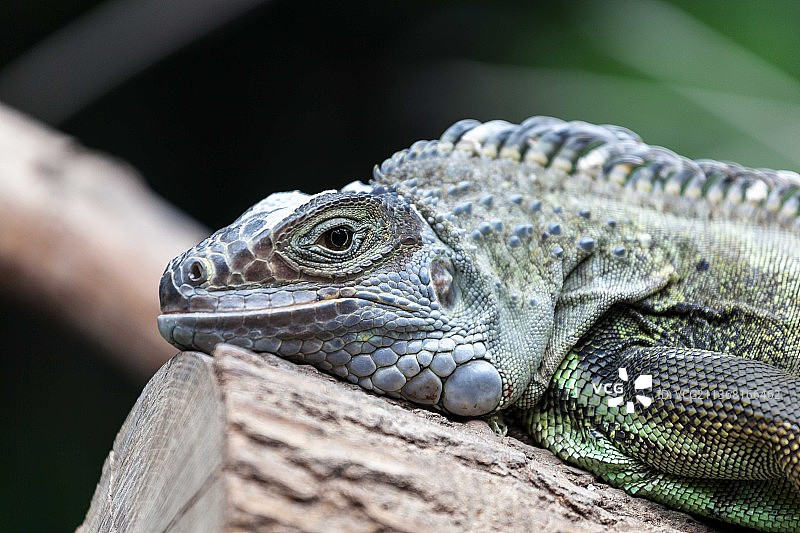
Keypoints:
pixel 299 323
pixel 391 349
pixel 279 330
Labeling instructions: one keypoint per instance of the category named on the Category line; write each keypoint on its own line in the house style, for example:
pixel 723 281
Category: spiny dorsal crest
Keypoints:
pixel 614 155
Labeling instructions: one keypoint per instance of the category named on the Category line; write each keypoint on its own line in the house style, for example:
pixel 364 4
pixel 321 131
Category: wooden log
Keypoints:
pixel 241 442
pixel 83 239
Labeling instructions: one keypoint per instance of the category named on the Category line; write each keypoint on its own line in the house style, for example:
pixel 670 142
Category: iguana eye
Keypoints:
pixel 337 239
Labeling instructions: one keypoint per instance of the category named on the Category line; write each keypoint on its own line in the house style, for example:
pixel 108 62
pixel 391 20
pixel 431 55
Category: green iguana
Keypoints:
pixel 638 311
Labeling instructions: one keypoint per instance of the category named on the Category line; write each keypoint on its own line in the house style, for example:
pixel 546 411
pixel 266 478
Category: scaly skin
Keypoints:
pixel 517 269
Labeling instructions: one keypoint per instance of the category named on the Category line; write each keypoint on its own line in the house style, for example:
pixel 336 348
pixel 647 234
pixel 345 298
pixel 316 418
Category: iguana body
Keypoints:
pixel 522 267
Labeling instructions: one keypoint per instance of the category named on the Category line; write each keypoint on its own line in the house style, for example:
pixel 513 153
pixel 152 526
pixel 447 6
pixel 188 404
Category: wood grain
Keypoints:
pixel 240 442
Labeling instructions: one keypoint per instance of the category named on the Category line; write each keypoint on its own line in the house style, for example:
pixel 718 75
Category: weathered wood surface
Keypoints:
pixel 238 442
pixel 83 239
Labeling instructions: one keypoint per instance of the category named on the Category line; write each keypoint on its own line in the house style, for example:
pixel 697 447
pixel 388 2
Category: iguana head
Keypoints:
pixel 356 283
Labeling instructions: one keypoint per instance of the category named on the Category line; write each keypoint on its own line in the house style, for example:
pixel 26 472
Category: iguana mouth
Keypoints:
pixel 259 328
pixel 238 303
pixel 244 311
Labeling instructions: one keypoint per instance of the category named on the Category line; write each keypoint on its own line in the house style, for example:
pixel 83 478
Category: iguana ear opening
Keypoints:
pixel 446 290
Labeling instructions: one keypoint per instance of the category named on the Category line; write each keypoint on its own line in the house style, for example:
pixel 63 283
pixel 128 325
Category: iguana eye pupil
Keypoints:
pixel 338 238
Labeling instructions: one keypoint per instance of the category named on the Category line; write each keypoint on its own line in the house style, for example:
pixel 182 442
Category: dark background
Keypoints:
pixel 299 95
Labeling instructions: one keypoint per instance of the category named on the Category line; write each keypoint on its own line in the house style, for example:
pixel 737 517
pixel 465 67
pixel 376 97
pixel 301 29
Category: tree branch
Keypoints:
pixel 241 442
pixel 83 238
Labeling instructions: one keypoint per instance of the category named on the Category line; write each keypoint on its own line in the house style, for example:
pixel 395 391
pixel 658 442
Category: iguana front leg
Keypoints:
pixel 720 437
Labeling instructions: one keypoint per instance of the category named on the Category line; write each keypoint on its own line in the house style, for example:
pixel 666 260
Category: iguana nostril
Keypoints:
pixel 442 279
pixel 197 271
